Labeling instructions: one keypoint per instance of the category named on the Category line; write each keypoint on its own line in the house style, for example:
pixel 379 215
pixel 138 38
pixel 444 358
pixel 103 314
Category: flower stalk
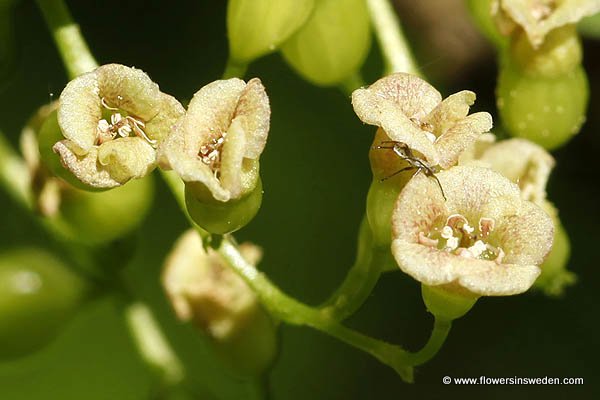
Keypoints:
pixel 72 47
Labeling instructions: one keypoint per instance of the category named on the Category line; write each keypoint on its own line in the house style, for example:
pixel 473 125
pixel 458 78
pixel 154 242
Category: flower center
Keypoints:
pixel 120 125
pixel 210 153
pixel 457 236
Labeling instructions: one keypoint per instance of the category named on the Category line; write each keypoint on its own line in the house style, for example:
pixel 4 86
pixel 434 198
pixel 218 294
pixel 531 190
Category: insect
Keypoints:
pixel 404 152
pixel 121 126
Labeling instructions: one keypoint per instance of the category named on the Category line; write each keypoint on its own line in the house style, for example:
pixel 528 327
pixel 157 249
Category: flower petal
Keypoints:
pixel 462 134
pixel 85 167
pixel 79 111
pixel 452 109
pixel 176 153
pixel 526 237
pixel 524 163
pixel 487 278
pixel 210 112
pixel 254 113
pixel 127 158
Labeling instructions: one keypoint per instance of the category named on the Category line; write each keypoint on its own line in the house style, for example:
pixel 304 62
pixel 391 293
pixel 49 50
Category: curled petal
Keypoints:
pixel 413 96
pixel 253 112
pixel 454 108
pixel 526 236
pixel 524 163
pixel 175 153
pixel 80 110
pixel 127 158
pixel 85 167
pixel 462 134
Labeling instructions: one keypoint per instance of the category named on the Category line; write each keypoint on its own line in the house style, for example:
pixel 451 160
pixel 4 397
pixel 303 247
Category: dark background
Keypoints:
pixel 315 173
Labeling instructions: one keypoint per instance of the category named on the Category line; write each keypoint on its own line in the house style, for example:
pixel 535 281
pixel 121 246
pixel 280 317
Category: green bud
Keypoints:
pixel 221 217
pixel 380 205
pixel 590 26
pixel 555 277
pixel 333 43
pixel 545 110
pixel 258 27
pixel 559 54
pixel 38 294
pixel 97 218
pixel 447 302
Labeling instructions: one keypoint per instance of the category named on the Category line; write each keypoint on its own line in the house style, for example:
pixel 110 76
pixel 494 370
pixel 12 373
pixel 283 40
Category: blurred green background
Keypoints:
pixel 315 173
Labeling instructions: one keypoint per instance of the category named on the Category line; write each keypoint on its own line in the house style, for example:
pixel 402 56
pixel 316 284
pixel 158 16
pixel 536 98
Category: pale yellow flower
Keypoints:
pixel 202 289
pixel 484 238
pixel 113 119
pixel 411 111
pixel 217 145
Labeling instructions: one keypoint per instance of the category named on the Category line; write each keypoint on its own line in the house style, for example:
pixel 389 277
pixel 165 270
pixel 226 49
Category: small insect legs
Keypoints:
pixel 404 152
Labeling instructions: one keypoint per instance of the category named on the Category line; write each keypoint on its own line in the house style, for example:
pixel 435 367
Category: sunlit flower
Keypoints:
pixel 483 238
pixel 113 119
pixel 538 17
pixel 411 111
pixel 202 289
pixel 216 146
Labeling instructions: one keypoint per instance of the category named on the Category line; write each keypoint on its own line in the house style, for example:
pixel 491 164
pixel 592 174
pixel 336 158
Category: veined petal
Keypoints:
pixel 451 110
pixel 526 236
pixel 462 134
pixel 85 167
pixel 487 278
pixel 523 162
pixel 211 110
pixel 254 113
pixel 80 110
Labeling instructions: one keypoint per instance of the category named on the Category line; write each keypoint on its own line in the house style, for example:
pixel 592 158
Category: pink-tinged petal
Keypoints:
pixel 462 134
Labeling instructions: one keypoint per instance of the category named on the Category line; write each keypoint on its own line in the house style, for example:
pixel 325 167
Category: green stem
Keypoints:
pixel 441 328
pixel 14 175
pixel 397 54
pixel 360 280
pixel 152 345
pixel 293 312
pixel 234 70
pixel 73 49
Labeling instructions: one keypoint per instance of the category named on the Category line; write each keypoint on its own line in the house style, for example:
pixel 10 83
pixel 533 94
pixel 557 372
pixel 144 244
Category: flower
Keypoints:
pixel 204 290
pixel 483 239
pixel 539 17
pixel 216 146
pixel 411 111
pixel 522 162
pixel 112 119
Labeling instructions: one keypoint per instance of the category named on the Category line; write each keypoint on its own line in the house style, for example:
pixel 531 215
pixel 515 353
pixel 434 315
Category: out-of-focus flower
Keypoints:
pixel 205 291
pixel 539 17
pixel 483 239
pixel 113 118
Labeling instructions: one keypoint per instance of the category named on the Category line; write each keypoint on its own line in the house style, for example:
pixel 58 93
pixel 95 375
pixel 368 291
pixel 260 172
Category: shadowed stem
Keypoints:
pixel 72 47
pixel 395 49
